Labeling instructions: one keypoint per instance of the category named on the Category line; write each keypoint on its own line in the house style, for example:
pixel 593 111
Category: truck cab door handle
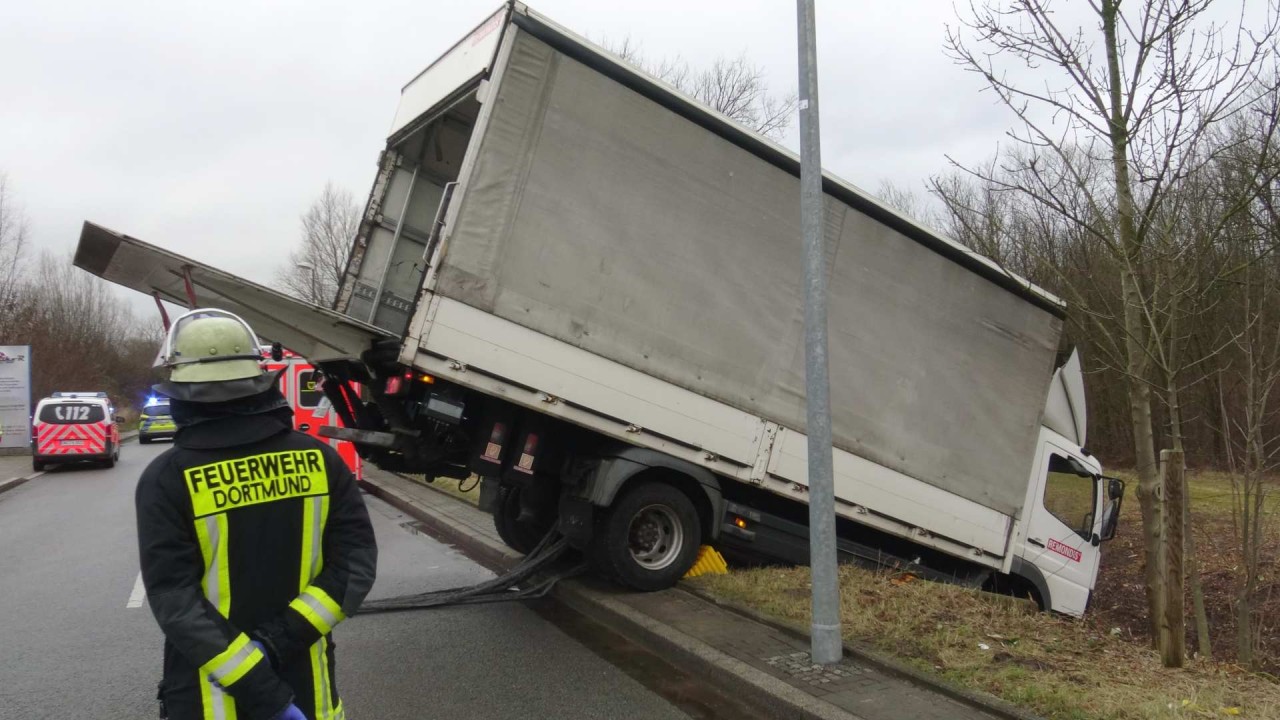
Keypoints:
pixel 1034 541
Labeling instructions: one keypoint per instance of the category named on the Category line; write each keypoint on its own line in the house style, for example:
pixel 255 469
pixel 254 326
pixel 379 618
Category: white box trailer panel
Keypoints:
pixel 504 359
pixel 501 358
pixel 600 217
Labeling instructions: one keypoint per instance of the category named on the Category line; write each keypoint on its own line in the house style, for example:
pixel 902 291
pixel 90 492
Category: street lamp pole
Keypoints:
pixel 315 291
pixel 827 646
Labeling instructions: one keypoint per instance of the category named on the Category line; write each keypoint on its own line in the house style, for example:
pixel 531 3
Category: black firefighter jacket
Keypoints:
pixel 248 530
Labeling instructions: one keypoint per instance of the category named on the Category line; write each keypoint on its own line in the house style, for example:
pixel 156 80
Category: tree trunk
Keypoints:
pixel 1204 642
pixel 1190 563
pixel 1136 331
pixel 1150 492
pixel 1173 628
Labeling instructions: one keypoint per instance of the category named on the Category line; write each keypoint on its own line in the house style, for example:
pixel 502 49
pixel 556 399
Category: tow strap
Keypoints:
pixel 508 587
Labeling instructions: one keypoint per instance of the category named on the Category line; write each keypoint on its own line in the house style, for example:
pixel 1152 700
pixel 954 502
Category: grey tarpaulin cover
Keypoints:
pixel 603 219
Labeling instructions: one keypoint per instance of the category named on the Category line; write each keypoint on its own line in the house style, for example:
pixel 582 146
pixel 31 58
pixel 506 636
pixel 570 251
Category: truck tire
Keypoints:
pixel 518 536
pixel 37 465
pixel 650 537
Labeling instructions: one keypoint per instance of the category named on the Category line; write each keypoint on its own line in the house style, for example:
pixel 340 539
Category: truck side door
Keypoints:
pixel 1063 530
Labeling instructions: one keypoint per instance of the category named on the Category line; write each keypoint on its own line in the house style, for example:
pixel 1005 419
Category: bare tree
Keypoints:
pixel 906 201
pixel 735 87
pixel 1141 96
pixel 315 267
pixel 1252 454
pixel 81 335
pixel 13 243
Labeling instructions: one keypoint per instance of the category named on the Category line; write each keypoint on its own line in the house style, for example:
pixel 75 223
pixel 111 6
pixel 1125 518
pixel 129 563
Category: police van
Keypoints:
pixel 69 427
pixel 156 421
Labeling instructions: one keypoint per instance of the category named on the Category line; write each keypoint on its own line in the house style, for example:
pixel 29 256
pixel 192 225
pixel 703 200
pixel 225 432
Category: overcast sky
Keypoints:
pixel 209 127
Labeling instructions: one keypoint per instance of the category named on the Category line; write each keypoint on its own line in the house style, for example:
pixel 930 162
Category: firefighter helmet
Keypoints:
pixel 212 356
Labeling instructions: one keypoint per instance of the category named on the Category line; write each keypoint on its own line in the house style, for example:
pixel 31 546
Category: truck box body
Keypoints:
pixel 620 219
pixel 552 228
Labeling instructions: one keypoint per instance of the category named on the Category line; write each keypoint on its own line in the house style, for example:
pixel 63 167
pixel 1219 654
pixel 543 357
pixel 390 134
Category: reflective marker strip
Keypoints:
pixel 314 604
pixel 319 609
pixel 318 679
pixel 231 664
pixel 211 532
pixel 315 512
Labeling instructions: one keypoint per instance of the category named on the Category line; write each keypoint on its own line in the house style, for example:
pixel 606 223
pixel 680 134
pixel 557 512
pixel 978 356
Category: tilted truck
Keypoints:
pixel 585 287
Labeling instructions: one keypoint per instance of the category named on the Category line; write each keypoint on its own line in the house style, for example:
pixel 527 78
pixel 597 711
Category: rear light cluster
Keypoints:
pixel 498 437
pixel 399 384
pixel 525 465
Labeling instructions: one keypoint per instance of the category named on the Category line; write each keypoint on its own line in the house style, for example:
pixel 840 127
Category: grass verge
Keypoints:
pixel 1052 666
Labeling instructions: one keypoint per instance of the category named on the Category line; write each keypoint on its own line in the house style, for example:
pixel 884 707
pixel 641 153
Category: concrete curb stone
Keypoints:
pixel 11 483
pixel 885 663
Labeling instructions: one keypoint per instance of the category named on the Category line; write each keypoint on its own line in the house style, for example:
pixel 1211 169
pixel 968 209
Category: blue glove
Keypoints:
pixel 291 713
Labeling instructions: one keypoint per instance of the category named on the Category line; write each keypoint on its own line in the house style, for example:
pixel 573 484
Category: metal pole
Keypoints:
pixel 827 646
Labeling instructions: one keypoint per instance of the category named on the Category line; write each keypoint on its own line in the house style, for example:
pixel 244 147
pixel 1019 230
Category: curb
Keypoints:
pixel 697 657
pixel 11 483
pixel 885 663
pixel 688 653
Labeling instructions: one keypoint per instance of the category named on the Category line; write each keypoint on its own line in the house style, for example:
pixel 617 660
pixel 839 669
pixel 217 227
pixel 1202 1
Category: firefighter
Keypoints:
pixel 253 538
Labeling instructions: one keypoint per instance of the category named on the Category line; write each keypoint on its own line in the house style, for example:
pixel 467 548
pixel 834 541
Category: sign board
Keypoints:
pixel 15 396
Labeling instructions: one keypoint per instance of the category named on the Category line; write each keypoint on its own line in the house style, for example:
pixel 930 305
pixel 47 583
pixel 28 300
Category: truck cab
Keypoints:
pixel 1071 507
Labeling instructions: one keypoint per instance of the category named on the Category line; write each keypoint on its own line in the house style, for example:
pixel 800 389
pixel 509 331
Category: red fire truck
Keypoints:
pixel 299 382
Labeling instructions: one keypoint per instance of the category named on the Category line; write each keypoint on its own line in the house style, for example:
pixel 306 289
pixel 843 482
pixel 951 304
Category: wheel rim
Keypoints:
pixel 655 537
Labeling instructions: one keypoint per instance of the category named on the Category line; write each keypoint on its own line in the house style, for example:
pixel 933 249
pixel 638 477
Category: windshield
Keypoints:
pixel 71 413
pixel 156 409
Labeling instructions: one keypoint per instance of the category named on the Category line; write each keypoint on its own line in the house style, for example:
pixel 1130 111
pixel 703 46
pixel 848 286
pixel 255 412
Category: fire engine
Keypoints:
pixel 300 383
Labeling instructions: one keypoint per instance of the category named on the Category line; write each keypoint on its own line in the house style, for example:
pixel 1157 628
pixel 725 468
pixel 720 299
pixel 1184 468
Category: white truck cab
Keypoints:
pixel 1071 508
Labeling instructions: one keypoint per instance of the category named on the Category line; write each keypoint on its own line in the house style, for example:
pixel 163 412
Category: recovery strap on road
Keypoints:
pixel 505 588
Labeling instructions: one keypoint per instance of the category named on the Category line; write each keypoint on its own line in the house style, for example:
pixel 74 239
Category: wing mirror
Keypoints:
pixel 1111 513
pixel 1115 488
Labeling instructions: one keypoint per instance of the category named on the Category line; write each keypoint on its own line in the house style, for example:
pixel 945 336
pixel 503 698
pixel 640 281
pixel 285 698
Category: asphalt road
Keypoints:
pixel 78 640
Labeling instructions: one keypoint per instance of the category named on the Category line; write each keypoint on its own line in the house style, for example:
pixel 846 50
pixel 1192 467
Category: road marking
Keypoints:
pixel 138 595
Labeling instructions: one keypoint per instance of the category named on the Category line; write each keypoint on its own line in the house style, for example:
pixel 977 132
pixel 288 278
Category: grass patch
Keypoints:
pixel 1056 667
pixel 1119 599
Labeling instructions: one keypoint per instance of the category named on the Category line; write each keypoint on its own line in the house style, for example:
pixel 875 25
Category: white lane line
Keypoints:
pixel 138 595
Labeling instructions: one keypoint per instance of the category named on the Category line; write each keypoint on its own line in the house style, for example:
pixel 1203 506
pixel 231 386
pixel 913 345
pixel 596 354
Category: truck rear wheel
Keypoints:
pixel 650 537
pixel 518 536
